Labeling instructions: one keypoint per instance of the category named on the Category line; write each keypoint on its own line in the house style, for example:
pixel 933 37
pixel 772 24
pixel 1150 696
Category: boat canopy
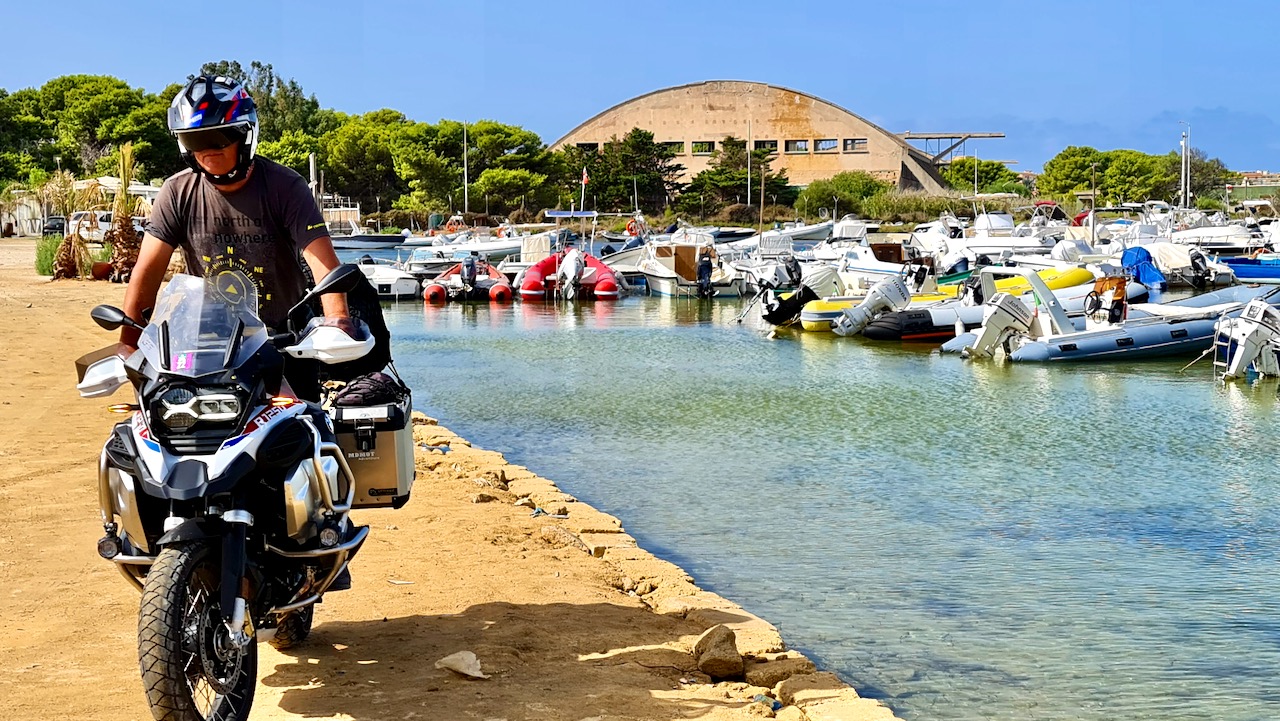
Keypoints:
pixel 570 213
pixel 1138 263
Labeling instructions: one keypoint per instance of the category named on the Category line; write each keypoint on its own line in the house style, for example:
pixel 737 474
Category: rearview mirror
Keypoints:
pixel 110 317
pixel 343 279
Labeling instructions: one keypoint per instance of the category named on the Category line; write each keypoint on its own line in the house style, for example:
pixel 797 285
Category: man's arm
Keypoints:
pixel 322 259
pixel 144 284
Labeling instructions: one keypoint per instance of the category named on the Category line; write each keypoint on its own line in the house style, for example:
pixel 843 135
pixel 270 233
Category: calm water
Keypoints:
pixel 962 540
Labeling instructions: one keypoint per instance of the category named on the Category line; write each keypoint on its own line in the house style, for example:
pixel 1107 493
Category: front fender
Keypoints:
pixel 194 529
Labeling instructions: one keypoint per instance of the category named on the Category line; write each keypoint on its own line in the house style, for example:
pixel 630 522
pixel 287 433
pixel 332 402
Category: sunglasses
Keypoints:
pixel 212 138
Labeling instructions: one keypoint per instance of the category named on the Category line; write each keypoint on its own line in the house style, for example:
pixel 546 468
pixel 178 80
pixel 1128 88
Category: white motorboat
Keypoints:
pixel 348 236
pixel 671 268
pixel 389 281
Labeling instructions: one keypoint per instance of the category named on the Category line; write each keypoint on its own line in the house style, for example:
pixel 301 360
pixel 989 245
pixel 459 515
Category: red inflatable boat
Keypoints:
pixel 569 274
pixel 472 279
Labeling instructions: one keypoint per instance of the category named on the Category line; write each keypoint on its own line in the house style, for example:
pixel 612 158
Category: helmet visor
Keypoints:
pixel 212 138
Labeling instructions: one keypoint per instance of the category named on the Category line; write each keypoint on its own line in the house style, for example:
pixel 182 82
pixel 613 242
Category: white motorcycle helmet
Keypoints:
pixel 333 340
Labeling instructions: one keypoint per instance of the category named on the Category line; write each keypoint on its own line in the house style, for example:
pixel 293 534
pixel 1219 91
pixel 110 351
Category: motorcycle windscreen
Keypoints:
pixel 204 325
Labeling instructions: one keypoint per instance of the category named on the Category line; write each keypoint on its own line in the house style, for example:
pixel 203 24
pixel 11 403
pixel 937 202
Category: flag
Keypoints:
pixel 584 175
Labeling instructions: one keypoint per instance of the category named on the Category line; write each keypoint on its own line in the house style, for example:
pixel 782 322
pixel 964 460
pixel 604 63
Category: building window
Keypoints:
pixel 675 146
pixel 855 145
pixel 590 147
pixel 826 145
pixel 797 146
pixel 770 145
pixel 703 147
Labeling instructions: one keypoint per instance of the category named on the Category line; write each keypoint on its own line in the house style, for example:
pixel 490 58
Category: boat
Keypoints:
pixel 671 269
pixel 1249 342
pixel 1110 329
pixel 387 279
pixel 471 279
pixel 348 236
pixel 938 321
pixel 570 274
pixel 495 247
pixel 1263 268
pixel 818 315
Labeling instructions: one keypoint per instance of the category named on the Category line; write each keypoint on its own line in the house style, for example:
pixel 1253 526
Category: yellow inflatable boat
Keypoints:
pixel 818 315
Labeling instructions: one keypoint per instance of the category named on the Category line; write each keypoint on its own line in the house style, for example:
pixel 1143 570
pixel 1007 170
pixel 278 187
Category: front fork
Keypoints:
pixel 234 588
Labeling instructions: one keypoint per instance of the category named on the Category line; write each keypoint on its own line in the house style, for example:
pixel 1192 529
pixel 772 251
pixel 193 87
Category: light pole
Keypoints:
pixel 1186 164
pixel 1093 201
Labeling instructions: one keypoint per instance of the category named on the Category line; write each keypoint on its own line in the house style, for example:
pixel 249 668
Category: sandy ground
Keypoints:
pixel 564 633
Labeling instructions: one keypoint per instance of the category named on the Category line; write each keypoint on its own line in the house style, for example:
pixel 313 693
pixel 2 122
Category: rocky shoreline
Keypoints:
pixel 739 654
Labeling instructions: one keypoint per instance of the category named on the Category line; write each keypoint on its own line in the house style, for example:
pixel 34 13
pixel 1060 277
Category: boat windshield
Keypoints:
pixel 204 325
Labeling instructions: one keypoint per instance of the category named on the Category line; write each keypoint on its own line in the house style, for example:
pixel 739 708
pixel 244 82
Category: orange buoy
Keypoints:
pixel 435 293
pixel 633 228
pixel 500 293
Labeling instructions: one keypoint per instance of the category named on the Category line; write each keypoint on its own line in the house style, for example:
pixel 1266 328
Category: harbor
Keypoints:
pixel 719 362
pixel 959 540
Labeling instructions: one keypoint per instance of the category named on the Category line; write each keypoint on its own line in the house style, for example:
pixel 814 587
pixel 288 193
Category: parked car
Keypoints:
pixel 89 224
pixel 55 225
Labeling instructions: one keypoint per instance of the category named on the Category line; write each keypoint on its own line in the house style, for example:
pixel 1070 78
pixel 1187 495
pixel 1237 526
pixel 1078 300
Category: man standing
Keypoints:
pixel 232 211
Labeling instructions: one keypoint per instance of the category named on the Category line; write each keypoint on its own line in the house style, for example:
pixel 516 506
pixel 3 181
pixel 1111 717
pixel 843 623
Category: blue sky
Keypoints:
pixel 1048 74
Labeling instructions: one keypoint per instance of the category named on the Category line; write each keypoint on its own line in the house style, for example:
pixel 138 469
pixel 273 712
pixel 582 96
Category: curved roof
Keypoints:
pixel 777 88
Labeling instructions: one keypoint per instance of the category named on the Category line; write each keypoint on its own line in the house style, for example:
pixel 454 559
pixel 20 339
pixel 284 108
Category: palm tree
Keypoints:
pixel 124 239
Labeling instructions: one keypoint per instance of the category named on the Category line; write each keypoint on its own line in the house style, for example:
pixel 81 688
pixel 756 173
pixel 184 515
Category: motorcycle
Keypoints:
pixel 224 498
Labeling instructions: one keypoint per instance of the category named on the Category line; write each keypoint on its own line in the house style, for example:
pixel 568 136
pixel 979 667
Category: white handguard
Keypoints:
pixel 103 378
pixel 329 344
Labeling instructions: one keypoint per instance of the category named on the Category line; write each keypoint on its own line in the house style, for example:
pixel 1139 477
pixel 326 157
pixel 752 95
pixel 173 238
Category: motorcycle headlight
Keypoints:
pixel 181 407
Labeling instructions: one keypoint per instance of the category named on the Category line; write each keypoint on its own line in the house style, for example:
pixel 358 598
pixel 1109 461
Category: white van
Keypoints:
pixel 90 224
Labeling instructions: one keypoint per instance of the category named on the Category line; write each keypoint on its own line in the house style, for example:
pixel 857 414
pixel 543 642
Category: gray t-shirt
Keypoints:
pixel 259 230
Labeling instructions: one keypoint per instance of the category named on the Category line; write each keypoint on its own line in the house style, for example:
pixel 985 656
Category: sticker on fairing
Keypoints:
pixel 183 361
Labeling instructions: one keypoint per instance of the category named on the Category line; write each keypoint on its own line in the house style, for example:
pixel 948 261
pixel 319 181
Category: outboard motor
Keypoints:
pixel 794 272
pixel 887 295
pixel 569 274
pixel 704 274
pixel 1249 339
pixel 1199 269
pixel 1004 317
pixel 468 273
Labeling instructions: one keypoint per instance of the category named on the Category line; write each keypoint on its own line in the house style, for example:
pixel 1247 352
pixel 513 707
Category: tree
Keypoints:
pixel 960 176
pixel 1071 171
pixel 845 191
pixel 359 160
pixel 507 186
pixel 292 150
pixel 625 172
pixel 725 179
pixel 1133 176
pixel 1209 176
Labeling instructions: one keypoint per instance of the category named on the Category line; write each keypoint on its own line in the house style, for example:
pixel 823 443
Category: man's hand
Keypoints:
pixel 124 350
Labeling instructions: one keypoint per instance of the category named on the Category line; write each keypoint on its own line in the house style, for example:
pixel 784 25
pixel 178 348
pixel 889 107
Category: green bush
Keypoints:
pixel 103 254
pixel 46 251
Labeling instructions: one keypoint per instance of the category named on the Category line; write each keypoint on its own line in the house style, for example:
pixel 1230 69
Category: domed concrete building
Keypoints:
pixel 813 139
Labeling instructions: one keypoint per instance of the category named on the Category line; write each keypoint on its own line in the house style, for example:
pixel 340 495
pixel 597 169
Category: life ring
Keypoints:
pixel 451 227
pixel 633 228
pixel 501 231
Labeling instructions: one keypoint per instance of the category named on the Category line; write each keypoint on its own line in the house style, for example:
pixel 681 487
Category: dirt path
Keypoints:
pixel 564 634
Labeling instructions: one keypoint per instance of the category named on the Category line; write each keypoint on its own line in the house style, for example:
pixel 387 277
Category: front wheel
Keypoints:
pixel 191 670
pixel 293 629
